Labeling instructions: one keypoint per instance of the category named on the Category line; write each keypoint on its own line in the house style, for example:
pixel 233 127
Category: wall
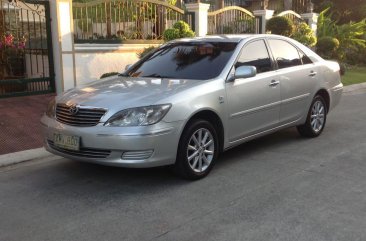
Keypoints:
pixel 93 60
pixel 78 64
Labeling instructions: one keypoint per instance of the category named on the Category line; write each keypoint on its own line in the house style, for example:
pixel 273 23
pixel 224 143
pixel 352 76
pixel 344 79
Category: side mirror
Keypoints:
pixel 128 66
pixel 245 71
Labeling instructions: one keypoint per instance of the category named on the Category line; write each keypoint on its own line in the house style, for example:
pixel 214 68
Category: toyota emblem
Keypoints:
pixel 73 110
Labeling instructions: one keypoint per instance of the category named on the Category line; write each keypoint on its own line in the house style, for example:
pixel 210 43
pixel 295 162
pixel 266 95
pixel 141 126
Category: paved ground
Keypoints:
pixel 281 187
pixel 19 123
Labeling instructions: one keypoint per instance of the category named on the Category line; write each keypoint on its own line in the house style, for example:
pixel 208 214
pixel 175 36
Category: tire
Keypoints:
pixel 316 118
pixel 197 151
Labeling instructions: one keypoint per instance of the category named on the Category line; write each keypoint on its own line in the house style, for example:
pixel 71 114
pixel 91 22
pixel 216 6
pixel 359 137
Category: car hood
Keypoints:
pixel 125 92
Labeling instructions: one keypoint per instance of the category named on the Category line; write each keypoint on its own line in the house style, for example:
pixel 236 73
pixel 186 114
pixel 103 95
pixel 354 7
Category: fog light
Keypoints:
pixel 137 155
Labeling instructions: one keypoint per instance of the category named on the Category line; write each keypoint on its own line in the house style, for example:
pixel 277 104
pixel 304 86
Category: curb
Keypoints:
pixel 29 155
pixel 355 87
pixel 22 156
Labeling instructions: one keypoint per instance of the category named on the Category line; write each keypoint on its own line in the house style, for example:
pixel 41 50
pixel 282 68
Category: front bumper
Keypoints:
pixel 147 146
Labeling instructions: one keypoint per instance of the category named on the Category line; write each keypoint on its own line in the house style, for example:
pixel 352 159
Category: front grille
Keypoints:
pixel 83 152
pixel 82 117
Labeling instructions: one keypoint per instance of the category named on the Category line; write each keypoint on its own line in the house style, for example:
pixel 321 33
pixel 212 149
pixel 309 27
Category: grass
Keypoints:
pixel 354 75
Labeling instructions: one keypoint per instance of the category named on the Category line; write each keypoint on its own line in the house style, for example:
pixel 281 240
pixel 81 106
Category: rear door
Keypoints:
pixel 297 75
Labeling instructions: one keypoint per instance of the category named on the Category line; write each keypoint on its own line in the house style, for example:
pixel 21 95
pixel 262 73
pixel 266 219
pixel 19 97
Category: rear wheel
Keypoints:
pixel 198 150
pixel 316 118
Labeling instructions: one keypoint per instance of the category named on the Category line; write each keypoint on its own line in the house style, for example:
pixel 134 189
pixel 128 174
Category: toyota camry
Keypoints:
pixel 191 99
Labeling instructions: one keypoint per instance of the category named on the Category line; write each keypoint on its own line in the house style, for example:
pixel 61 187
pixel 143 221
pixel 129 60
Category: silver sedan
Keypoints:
pixel 191 99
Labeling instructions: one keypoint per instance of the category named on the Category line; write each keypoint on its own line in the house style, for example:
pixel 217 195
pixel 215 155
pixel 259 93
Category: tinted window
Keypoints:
pixel 284 53
pixel 305 59
pixel 255 54
pixel 185 60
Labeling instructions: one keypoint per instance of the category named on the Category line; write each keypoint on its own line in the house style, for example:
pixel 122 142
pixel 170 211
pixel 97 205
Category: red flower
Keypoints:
pixel 8 40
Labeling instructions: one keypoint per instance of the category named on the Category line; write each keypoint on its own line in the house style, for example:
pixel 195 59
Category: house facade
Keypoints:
pixel 299 6
pixel 52 46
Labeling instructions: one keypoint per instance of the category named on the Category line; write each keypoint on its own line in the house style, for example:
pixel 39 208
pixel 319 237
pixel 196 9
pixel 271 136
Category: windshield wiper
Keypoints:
pixel 157 76
pixel 124 75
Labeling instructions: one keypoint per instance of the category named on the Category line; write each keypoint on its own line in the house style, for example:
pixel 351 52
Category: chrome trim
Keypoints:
pixel 83 152
pixel 256 109
pixel 84 116
pixel 152 133
pixel 296 98
pixel 137 155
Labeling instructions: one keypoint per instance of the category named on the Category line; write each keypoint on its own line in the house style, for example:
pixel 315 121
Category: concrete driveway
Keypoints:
pixel 280 187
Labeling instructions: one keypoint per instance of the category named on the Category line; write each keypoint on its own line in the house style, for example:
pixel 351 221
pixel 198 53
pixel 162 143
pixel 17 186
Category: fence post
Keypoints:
pixel 264 15
pixel 63 44
pixel 312 20
pixel 200 11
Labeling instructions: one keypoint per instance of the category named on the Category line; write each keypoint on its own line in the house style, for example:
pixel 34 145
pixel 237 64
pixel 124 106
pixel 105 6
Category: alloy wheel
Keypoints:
pixel 200 150
pixel 317 116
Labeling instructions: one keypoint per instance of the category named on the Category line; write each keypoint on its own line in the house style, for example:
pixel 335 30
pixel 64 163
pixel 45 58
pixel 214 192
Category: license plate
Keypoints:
pixel 66 142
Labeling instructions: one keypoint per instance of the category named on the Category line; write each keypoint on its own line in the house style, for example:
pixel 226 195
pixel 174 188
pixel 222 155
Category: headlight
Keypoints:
pixel 140 116
pixel 51 109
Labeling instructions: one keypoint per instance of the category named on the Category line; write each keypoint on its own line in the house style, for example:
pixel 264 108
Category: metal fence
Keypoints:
pixel 301 6
pixel 295 17
pixel 26 60
pixel 119 20
pixel 232 20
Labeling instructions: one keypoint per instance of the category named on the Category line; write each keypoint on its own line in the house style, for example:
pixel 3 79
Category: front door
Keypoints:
pixel 253 103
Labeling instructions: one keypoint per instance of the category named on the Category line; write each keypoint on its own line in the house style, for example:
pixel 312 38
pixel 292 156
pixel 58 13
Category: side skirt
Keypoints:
pixel 259 134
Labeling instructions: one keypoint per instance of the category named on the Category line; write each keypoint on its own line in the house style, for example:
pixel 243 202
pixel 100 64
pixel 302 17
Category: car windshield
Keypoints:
pixel 185 60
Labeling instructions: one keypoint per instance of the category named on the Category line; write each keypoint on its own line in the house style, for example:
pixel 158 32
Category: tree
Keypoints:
pixel 351 36
pixel 304 34
pixel 281 26
pixel 343 11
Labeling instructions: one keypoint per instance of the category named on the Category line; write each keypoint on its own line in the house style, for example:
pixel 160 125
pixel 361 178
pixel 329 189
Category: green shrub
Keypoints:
pixel 171 34
pixel 351 37
pixel 182 26
pixel 145 52
pixel 280 25
pixel 327 47
pixel 304 34
pixel 108 74
pixel 355 56
pixel 180 30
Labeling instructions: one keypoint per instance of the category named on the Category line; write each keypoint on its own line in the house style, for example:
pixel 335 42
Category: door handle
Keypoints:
pixel 274 83
pixel 312 73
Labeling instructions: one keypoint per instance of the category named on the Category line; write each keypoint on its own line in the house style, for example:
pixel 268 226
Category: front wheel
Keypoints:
pixel 316 118
pixel 198 150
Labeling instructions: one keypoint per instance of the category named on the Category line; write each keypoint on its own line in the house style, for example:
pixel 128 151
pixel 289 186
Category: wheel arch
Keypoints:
pixel 212 117
pixel 324 93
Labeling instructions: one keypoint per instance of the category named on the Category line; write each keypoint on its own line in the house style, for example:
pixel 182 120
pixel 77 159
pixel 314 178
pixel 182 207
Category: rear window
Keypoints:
pixel 284 53
pixel 185 60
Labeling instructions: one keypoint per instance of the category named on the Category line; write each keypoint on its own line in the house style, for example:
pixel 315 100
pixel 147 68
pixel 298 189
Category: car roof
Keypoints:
pixel 235 38
pixel 220 38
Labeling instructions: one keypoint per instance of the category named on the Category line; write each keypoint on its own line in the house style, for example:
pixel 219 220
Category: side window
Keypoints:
pixel 305 59
pixel 255 54
pixel 284 53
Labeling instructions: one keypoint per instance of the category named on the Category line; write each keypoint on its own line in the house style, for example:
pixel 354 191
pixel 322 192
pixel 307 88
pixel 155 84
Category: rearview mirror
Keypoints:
pixel 245 71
